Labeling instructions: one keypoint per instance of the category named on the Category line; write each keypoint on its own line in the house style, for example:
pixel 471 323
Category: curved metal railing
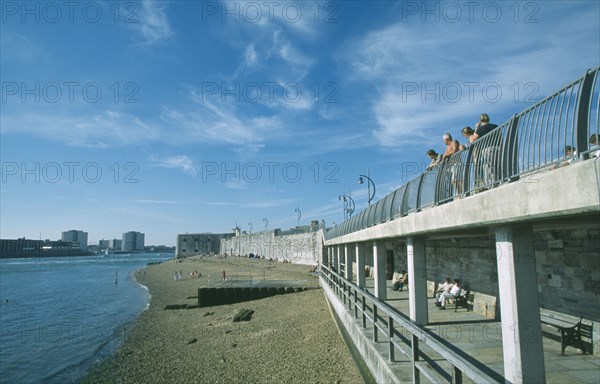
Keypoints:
pixel 531 141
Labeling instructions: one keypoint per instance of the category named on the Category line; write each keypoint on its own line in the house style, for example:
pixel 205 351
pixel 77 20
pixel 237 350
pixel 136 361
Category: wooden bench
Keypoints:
pixel 571 330
pixel 465 299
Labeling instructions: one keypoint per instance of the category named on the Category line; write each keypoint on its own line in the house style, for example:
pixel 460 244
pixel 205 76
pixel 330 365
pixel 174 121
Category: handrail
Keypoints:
pixel 528 142
pixel 391 329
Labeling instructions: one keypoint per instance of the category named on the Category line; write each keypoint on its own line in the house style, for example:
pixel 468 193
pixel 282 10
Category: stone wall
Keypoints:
pixel 567 261
pixel 301 248
pixel 568 266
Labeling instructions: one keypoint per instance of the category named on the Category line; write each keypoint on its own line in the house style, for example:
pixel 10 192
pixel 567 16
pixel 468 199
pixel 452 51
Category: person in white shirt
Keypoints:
pixel 443 287
pixel 453 294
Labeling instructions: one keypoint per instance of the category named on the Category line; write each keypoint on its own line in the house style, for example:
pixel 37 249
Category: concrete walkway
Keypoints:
pixel 481 339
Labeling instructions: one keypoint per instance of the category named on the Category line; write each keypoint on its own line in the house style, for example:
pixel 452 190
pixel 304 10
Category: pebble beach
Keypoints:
pixel 290 338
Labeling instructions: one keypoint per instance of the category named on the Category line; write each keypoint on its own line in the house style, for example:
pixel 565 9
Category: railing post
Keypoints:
pixel 510 156
pixel 364 312
pixel 438 182
pixel 375 338
pixel 415 358
pixel 456 375
pixel 418 203
pixel 583 113
pixel 355 303
pixel 467 170
pixel 390 337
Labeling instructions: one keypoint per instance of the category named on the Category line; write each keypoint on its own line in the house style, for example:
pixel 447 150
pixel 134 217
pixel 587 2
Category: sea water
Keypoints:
pixel 58 316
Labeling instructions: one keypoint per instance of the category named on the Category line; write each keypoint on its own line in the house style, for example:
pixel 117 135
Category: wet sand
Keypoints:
pixel 291 338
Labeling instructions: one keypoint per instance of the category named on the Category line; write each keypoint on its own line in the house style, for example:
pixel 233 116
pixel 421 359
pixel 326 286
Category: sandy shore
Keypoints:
pixel 290 339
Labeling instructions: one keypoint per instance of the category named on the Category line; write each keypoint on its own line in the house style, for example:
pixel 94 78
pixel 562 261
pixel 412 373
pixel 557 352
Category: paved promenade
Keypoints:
pixel 481 339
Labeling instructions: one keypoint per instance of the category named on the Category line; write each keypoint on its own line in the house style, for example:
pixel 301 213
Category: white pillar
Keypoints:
pixel 348 261
pixel 519 306
pixel 360 265
pixel 417 280
pixel 379 275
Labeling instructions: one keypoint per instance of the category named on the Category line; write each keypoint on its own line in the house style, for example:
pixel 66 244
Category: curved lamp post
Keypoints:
pixel 297 210
pixel 250 225
pixel 362 181
pixel 266 223
pixel 348 205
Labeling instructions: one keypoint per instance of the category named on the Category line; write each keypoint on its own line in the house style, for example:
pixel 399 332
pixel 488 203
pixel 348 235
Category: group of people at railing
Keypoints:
pixel 453 146
pixel 487 162
pixel 486 156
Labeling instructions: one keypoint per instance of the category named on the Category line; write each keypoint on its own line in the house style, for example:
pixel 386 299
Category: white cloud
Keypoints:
pixel 178 162
pixel 220 123
pixel 102 129
pixel 153 22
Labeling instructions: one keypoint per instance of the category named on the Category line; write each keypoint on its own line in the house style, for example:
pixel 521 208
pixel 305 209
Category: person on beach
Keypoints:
pixel 224 275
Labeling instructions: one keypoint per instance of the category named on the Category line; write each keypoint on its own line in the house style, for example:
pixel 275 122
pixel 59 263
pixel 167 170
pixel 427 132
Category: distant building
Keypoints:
pixel 20 247
pixel 104 244
pixel 75 236
pixel 191 244
pixel 115 244
pixel 133 241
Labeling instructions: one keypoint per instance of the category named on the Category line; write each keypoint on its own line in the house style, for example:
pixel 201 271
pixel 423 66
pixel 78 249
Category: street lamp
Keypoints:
pixel 362 181
pixel 297 210
pixel 348 205
pixel 266 223
pixel 250 225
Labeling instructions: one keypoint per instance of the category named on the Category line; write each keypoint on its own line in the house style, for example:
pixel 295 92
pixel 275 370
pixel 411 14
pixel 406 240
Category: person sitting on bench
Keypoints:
pixel 453 294
pixel 401 281
pixel 444 287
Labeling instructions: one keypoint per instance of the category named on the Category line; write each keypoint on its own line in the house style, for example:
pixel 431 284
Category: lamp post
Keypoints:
pixel 266 223
pixel 250 225
pixel 348 205
pixel 297 210
pixel 362 181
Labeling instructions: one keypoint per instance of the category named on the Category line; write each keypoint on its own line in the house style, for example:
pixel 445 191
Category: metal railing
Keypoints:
pixel 531 141
pixel 430 355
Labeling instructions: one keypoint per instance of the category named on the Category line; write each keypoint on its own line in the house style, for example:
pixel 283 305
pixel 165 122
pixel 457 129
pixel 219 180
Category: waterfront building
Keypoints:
pixel 133 241
pixel 76 236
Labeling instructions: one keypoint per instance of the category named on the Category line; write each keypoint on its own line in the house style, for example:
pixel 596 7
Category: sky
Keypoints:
pixel 169 117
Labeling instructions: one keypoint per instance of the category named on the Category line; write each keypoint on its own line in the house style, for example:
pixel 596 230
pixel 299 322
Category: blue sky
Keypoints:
pixel 169 117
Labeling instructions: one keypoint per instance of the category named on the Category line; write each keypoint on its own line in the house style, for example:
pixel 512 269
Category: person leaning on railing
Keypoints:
pixel 452 146
pixel 435 157
pixel 489 150
pixel 483 127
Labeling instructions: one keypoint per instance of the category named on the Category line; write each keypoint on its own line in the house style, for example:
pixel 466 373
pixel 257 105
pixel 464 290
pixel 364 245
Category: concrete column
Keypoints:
pixel 417 280
pixel 348 261
pixel 338 260
pixel 360 265
pixel 519 305
pixel 379 275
